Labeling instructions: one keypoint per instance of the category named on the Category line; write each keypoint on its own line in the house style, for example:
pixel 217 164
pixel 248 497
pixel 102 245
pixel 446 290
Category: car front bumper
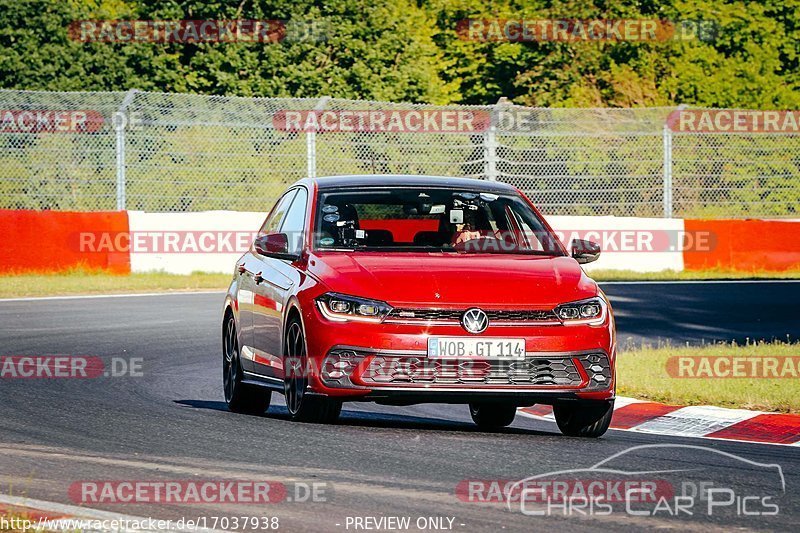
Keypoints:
pixel 388 363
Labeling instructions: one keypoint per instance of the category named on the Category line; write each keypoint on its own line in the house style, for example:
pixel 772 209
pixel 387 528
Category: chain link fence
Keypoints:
pixel 178 152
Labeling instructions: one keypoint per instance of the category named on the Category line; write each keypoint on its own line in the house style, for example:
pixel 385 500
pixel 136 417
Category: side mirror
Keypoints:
pixel 273 245
pixel 584 251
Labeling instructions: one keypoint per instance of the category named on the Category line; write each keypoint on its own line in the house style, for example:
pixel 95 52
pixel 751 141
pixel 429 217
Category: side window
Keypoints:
pixel 532 233
pixel 526 236
pixel 275 218
pixel 295 221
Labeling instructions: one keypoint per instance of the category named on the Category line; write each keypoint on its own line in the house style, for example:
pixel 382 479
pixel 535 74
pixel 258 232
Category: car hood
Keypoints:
pixel 454 280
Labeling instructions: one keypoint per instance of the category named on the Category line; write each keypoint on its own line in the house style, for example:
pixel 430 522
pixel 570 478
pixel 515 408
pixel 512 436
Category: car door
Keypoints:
pixel 245 297
pixel 278 278
pixel 248 268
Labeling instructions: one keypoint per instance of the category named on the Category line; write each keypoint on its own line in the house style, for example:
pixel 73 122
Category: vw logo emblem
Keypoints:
pixel 475 320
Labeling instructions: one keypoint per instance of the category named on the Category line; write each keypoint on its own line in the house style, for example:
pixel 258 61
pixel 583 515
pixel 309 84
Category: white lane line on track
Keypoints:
pixel 76 513
pixel 101 296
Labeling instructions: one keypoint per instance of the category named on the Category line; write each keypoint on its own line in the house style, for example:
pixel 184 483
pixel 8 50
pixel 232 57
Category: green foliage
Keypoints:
pixel 362 50
pixel 206 153
pixel 410 50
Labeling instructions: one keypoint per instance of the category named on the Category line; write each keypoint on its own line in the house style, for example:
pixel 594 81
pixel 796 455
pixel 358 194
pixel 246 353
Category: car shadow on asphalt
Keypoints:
pixel 372 420
pixel 394 421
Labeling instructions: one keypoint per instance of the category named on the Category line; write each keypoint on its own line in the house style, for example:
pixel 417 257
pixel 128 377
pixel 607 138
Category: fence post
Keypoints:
pixel 311 142
pixel 490 154
pixel 667 135
pixel 490 144
pixel 119 126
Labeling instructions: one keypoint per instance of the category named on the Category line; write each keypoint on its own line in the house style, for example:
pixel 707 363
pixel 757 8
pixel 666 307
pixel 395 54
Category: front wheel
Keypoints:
pixel 240 397
pixel 584 419
pixel 492 416
pixel 304 407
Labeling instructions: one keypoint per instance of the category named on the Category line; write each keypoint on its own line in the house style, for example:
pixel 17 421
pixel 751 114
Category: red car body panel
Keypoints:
pixel 455 281
pixel 434 280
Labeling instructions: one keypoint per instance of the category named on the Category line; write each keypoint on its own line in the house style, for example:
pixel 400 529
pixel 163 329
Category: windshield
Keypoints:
pixel 430 219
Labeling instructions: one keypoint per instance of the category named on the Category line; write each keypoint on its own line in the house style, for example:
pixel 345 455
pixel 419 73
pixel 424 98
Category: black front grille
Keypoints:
pixel 534 370
pixel 455 315
pixel 390 369
pixel 521 315
pixel 426 314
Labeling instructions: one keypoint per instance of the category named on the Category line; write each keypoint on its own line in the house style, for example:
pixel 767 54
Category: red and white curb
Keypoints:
pixel 701 421
pixel 58 517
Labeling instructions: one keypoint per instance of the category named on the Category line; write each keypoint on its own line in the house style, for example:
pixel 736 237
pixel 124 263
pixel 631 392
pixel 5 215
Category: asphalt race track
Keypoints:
pixel 172 424
pixel 656 312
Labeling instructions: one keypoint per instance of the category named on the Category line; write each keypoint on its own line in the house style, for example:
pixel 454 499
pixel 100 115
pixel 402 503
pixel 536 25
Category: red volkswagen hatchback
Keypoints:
pixel 412 289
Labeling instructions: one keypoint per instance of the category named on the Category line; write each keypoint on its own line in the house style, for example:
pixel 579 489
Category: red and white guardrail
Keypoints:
pixel 181 243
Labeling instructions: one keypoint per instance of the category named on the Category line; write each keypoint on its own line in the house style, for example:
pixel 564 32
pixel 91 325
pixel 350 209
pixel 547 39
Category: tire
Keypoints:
pixel 491 415
pixel 302 406
pixel 584 419
pixel 240 397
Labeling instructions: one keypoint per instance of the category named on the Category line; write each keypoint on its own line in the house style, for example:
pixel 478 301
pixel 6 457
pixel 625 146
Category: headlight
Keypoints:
pixel 340 307
pixel 592 311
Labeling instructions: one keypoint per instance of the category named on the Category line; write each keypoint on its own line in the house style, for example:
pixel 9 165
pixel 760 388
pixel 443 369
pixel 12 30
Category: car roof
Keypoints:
pixel 409 180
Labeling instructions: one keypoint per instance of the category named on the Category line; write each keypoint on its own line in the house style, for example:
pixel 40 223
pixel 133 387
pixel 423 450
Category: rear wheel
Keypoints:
pixel 492 416
pixel 240 397
pixel 584 419
pixel 304 407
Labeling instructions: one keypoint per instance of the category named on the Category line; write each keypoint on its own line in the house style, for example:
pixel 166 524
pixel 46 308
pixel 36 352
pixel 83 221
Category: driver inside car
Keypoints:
pixel 468 226
pixel 464 233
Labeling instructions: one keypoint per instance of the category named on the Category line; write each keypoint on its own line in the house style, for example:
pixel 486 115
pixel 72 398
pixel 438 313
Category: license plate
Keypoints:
pixel 475 348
